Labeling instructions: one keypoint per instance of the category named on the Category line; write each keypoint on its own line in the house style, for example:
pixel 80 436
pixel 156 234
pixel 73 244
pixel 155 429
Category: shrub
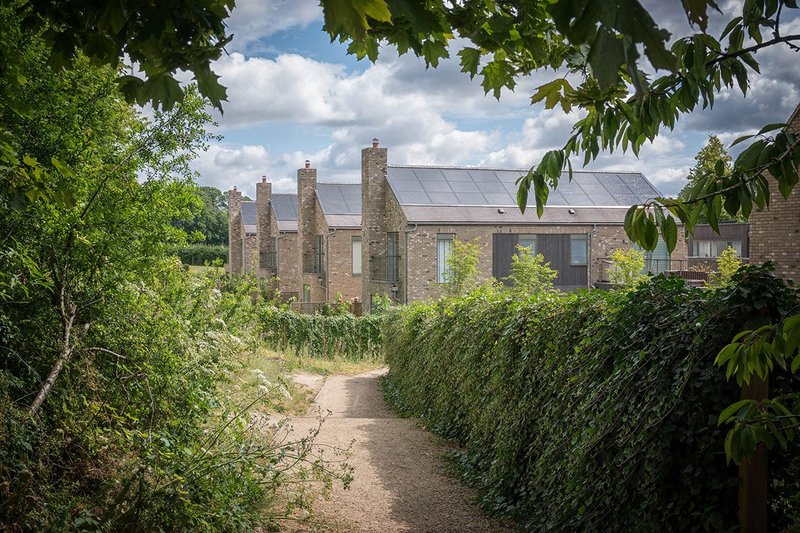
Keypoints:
pixel 317 335
pixel 201 254
pixel 628 270
pixel 588 411
pixel 727 265
pixel 529 272
pixel 462 267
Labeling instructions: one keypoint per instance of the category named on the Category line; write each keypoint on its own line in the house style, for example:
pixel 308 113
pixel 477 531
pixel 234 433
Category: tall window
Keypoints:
pixel 319 256
pixel 528 241
pixel 578 250
pixel 392 256
pixel 444 248
pixel 356 256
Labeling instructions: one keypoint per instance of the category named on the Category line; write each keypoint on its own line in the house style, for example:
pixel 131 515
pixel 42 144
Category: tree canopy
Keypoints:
pixel 627 75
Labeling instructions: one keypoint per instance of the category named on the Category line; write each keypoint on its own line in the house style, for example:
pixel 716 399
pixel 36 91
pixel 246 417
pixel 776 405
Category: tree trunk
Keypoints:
pixel 68 319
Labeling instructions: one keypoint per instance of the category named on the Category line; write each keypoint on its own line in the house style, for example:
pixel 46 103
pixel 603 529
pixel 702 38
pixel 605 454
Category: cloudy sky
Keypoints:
pixel 294 95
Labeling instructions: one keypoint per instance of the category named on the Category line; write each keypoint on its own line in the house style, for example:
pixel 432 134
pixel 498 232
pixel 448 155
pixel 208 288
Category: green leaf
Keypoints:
pixel 496 75
pixel 732 409
pixel 348 18
pixel 62 167
pixel 470 60
pixel 606 55
pixel 697 12
pixel 670 233
pixel 553 93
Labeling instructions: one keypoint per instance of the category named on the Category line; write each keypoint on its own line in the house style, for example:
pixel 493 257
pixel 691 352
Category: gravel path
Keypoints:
pixel 399 479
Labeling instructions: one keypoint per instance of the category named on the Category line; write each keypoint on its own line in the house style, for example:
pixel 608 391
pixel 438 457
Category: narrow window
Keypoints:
pixel 444 248
pixel 356 256
pixel 319 258
pixel 392 256
pixel 528 241
pixel 578 255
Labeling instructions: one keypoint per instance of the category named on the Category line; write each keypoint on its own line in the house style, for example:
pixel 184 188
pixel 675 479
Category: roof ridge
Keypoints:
pixel 475 167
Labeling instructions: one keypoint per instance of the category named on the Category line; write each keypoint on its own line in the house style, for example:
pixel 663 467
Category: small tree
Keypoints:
pixel 727 265
pixel 461 274
pixel 628 267
pixel 529 272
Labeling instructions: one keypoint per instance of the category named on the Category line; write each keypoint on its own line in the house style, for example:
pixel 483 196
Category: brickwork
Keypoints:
pixel 775 233
pixel 264 222
pixel 250 254
pixel 340 265
pixel 289 271
pixel 373 225
pixel 235 231
pixel 381 213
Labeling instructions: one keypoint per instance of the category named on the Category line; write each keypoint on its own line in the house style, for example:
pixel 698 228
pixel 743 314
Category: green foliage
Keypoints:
pixel 628 268
pixel 111 355
pixel 317 335
pixel 713 155
pixel 529 273
pixel 623 103
pixel 604 405
pixel 201 254
pixel 727 265
pixel 461 272
pixel 211 220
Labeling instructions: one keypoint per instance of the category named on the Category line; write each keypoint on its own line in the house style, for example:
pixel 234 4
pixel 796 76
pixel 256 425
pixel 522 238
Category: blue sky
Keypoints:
pixel 294 95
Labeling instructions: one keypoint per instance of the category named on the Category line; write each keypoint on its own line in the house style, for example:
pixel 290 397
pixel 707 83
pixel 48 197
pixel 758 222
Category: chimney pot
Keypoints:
pixel 234 187
pixel 263 179
pixel 375 142
pixel 308 163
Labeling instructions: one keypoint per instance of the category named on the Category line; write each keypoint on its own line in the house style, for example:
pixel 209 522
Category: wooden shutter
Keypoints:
pixel 503 248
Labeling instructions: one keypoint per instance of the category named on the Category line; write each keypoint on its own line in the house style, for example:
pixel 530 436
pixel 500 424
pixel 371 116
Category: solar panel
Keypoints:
pixel 339 198
pixel 463 186
pixel 435 186
pixel 476 186
pixel 249 213
pixel 284 206
pixel 456 174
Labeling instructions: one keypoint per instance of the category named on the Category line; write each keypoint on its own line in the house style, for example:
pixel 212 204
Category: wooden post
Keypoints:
pixel 753 473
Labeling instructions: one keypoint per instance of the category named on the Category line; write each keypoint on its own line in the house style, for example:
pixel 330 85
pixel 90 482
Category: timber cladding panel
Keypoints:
pixel 556 250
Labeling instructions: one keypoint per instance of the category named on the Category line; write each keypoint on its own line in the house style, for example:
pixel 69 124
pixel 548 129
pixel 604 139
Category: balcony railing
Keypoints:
pixel 385 268
pixel 314 262
pixel 694 270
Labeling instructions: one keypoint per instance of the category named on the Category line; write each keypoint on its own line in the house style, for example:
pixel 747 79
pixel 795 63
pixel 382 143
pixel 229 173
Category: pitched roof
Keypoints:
pixel 249 217
pixel 440 194
pixel 340 204
pixel 284 206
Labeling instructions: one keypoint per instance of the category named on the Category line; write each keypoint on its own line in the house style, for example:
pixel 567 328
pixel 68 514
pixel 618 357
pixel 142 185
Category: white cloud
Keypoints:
pixel 254 20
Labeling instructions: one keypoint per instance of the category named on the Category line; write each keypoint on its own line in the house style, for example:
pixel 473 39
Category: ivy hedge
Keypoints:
pixel 317 335
pixel 596 410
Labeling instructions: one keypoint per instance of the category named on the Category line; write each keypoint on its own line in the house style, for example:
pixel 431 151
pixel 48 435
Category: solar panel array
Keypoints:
pixel 340 198
pixel 471 186
pixel 249 214
pixel 284 206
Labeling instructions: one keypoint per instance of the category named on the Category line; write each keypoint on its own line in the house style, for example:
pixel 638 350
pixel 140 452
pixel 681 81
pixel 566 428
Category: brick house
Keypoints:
pixel 410 216
pixel 775 232
pixel 307 240
pixel 706 245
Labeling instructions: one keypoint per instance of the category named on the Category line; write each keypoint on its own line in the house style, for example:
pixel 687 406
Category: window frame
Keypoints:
pixel 353 240
pixel 441 262
pixel 572 239
pixel 528 237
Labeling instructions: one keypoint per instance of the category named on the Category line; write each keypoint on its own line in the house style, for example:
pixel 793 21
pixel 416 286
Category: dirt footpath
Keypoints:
pixel 399 479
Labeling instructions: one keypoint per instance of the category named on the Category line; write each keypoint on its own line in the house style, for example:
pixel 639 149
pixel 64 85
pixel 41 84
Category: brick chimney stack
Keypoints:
pixel 306 210
pixel 235 231
pixel 374 161
pixel 263 214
